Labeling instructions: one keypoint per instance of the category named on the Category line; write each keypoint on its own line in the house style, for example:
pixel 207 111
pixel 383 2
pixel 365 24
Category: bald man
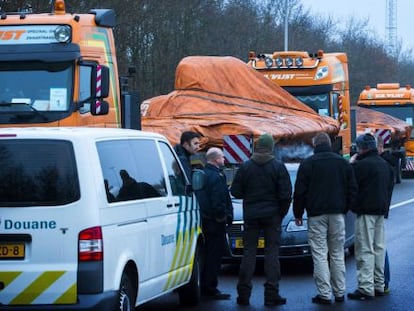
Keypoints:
pixel 216 211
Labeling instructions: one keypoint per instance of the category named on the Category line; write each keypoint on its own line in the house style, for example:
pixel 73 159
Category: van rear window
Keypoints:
pixel 37 172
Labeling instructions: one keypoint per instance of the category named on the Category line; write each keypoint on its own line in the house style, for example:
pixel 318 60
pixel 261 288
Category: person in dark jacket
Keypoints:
pixel 216 211
pixel 388 156
pixel 375 182
pixel 325 187
pixel 263 183
pixel 189 145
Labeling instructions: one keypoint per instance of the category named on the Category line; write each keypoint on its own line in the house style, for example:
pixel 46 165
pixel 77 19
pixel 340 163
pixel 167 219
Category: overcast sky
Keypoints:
pixel 372 9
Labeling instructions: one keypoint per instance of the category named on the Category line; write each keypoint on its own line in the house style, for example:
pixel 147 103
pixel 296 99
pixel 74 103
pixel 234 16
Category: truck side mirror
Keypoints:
pixel 104 81
pixel 93 81
pixel 99 107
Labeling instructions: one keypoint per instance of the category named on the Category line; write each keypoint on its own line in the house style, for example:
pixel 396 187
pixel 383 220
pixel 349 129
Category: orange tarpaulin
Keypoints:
pixel 217 96
pixel 371 120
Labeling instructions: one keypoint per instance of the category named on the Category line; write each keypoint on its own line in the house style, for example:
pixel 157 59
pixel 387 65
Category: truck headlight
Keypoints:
pixel 292 227
pixel 269 62
pixel 62 34
pixel 321 73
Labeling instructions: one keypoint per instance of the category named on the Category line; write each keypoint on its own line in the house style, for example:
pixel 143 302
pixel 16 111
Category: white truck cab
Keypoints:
pixel 94 219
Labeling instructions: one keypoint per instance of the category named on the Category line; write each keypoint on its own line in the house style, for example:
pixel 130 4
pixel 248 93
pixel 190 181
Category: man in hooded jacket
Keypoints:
pixel 263 183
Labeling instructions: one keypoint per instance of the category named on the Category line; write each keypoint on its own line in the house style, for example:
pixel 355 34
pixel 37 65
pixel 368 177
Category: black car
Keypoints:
pixel 294 239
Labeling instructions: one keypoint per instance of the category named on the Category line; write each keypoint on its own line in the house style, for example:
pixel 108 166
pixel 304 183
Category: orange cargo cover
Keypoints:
pixel 370 120
pixel 221 95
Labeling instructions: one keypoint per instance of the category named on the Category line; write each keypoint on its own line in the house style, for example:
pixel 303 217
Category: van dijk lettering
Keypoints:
pixel 9 224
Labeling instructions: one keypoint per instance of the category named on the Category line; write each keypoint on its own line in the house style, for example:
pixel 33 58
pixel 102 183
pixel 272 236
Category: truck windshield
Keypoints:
pixel 35 86
pixel 319 103
pixel 402 112
pixel 36 172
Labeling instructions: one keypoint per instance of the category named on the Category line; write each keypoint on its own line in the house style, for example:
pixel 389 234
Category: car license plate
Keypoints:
pixel 12 251
pixel 238 243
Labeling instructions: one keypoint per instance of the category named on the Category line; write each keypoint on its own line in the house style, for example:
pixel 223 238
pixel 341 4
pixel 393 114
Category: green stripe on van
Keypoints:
pixel 68 297
pixel 8 277
pixel 37 287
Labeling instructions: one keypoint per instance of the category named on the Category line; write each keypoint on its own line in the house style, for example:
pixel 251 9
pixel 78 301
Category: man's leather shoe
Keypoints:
pixel 217 295
pixel 322 301
pixel 357 295
pixel 339 298
pixel 275 301
pixel 242 301
pixel 379 293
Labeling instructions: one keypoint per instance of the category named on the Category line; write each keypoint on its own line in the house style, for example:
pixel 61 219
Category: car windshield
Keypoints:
pixel 35 86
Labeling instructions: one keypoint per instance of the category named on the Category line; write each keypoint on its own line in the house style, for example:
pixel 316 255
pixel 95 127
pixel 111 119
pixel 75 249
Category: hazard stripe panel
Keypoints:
pixel 237 148
pixel 48 287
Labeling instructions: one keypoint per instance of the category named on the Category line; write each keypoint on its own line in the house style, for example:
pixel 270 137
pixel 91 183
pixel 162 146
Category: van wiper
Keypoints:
pixel 32 110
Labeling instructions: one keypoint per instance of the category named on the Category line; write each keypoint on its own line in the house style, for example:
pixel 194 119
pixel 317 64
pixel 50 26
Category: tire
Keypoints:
pixel 126 295
pixel 189 294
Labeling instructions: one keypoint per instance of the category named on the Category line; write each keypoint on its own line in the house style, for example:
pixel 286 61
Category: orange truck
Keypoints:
pixel 397 101
pixel 60 69
pixel 320 80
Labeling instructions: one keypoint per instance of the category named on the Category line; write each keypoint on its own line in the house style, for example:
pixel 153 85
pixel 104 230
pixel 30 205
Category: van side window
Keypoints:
pixel 175 175
pixel 131 170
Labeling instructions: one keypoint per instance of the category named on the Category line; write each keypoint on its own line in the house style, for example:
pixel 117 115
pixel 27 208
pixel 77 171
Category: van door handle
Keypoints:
pixel 173 205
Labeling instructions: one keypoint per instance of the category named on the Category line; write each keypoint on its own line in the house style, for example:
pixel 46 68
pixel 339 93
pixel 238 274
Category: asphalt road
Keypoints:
pixel 297 283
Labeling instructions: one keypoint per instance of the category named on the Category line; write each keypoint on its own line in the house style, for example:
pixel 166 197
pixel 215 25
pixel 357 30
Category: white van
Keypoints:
pixel 94 219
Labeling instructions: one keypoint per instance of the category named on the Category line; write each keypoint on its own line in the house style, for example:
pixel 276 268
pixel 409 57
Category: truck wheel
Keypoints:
pixel 189 294
pixel 126 296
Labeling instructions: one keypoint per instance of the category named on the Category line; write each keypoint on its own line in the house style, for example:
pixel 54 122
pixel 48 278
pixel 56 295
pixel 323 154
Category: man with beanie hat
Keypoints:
pixel 375 185
pixel 263 183
pixel 325 186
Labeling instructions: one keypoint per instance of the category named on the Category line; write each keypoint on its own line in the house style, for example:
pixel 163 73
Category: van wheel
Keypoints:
pixel 189 294
pixel 126 298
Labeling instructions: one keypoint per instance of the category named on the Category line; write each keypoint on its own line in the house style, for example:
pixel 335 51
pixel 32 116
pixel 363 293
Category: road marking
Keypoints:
pixel 401 203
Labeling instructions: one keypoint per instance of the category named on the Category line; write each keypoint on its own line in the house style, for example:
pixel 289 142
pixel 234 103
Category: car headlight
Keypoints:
pixel 292 227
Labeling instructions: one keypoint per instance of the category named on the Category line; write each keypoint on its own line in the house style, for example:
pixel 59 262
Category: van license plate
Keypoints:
pixel 12 251
pixel 238 243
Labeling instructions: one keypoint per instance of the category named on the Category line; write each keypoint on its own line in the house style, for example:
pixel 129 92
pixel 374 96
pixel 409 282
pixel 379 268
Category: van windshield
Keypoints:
pixel 37 172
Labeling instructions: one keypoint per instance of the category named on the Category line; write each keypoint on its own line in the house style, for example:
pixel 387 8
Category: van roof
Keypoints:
pixel 91 132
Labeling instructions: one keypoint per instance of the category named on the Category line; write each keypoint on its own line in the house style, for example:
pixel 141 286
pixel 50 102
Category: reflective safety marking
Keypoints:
pixel 51 287
pixel 69 296
pixel 8 277
pixel 188 231
pixel 37 287
pixel 59 291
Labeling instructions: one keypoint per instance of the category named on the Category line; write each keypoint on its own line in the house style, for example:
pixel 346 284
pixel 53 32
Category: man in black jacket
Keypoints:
pixel 264 184
pixel 325 186
pixel 216 211
pixel 189 145
pixel 375 182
